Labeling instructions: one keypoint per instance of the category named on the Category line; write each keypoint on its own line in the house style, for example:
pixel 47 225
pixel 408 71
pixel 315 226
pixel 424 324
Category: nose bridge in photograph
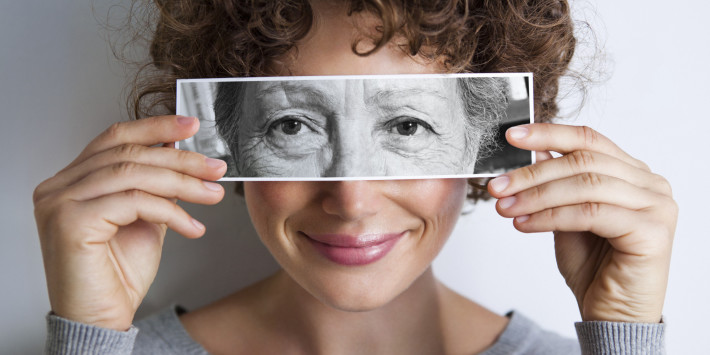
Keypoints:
pixel 354 149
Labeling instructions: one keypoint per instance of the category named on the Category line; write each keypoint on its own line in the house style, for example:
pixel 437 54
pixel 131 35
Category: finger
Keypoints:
pixel 575 163
pixel 154 180
pixel 617 224
pixel 182 161
pixel 542 156
pixel 147 131
pixel 582 188
pixel 578 218
pixel 565 139
pixel 137 205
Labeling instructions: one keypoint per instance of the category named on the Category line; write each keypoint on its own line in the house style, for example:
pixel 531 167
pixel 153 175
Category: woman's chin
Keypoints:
pixel 354 301
pixel 350 292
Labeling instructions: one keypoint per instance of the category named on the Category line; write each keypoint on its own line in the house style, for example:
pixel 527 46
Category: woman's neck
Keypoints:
pixel 410 321
pixel 277 315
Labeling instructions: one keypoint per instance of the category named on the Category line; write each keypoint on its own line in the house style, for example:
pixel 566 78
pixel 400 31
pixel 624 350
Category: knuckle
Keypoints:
pixel 52 220
pixel 46 202
pixel 581 160
pixel 114 131
pixel 642 165
pixel 663 185
pixel 39 192
pixel 591 209
pixel 670 207
pixel 551 214
pixel 530 172
pixel 659 235
pixel 128 151
pixel 184 156
pixel 592 179
pixel 536 192
pixel 135 196
pixel 587 135
pixel 124 168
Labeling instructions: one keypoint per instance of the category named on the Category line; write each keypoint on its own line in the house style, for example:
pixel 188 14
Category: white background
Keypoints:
pixel 59 87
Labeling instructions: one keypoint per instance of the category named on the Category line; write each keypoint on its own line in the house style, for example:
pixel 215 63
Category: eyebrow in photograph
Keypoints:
pixel 384 97
pixel 314 96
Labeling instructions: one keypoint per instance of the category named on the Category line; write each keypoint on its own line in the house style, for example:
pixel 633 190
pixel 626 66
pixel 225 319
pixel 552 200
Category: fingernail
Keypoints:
pixel 197 224
pixel 185 120
pixel 518 132
pixel 506 202
pixel 500 183
pixel 521 219
pixel 214 163
pixel 212 186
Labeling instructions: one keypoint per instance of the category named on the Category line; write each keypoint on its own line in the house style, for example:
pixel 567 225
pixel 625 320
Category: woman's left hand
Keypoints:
pixel 613 219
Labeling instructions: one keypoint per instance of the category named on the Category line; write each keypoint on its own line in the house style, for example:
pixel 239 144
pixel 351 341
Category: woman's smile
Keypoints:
pixel 340 240
pixel 354 250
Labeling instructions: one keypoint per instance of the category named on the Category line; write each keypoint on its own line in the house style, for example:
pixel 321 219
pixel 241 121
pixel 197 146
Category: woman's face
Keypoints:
pixel 354 245
pixel 345 128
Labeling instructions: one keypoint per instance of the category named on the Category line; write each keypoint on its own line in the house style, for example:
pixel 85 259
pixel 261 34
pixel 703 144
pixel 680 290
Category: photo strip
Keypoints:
pixel 359 127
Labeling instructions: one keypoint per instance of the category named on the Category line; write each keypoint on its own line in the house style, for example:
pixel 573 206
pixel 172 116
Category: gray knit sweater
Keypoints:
pixel 164 334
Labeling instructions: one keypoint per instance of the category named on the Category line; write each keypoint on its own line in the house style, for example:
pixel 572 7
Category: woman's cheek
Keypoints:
pixel 435 199
pixel 274 201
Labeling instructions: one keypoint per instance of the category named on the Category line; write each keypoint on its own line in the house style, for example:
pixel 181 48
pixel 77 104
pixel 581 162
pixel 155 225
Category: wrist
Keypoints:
pixel 623 316
pixel 100 321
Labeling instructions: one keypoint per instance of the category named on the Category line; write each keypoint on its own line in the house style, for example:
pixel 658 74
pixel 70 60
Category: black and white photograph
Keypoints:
pixel 359 127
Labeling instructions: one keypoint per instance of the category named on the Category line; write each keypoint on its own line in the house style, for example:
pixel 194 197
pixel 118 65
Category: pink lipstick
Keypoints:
pixel 353 250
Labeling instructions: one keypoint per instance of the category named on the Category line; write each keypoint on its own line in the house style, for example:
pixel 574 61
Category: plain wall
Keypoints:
pixel 60 86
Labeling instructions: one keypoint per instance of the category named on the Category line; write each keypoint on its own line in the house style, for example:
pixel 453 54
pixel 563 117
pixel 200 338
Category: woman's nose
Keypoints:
pixel 352 200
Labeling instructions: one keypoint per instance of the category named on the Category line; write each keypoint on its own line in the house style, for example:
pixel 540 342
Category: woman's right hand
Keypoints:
pixel 102 219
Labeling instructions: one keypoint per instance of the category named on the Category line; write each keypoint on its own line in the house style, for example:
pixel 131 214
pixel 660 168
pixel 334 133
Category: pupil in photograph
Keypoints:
pixel 290 127
pixel 407 128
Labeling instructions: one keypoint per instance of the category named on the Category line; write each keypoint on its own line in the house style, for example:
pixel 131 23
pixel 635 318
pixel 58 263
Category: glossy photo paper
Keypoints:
pixel 359 127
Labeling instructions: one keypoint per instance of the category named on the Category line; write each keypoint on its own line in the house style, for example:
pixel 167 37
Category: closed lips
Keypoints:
pixel 353 250
pixel 352 241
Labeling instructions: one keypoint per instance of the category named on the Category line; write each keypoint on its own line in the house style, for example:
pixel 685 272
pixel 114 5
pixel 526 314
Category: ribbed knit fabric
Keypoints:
pixel 163 333
pixel 68 337
pixel 599 337
pixel 523 336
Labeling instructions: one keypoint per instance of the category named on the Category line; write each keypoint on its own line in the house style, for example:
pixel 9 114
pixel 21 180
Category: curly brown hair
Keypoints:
pixel 232 38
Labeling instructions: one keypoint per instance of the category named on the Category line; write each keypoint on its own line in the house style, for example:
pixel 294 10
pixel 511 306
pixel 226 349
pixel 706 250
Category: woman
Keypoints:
pixel 356 255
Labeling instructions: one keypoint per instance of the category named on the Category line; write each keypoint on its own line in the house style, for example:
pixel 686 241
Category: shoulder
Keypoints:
pixel 523 336
pixel 163 333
